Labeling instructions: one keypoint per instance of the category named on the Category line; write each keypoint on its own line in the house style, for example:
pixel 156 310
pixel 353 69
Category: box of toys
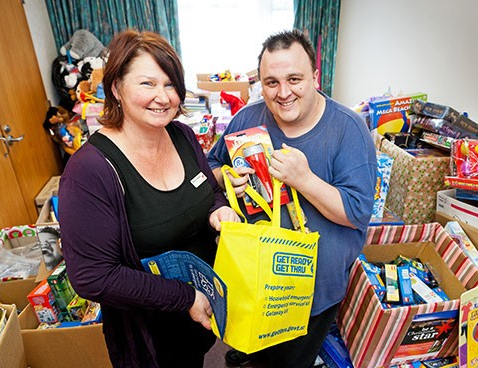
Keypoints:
pixel 45 348
pixel 401 333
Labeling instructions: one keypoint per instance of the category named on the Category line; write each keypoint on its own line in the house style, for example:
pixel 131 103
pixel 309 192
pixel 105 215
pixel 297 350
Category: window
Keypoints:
pixel 227 34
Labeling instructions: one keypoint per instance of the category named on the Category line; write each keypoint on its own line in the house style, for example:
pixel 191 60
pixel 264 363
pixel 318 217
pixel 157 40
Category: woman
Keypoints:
pixel 139 187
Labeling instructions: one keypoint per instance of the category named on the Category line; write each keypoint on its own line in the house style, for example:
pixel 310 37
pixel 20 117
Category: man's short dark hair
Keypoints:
pixel 283 41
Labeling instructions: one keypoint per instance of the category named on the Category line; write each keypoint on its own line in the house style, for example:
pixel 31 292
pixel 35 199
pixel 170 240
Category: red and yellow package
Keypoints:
pixel 253 148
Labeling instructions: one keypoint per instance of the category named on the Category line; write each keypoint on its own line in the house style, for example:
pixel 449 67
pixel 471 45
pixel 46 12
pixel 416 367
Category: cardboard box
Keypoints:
pixel 414 182
pixel 373 334
pixel 72 347
pixel 205 83
pixel 16 291
pixel 46 215
pixel 470 230
pixel 50 188
pixel 449 205
pixel 12 352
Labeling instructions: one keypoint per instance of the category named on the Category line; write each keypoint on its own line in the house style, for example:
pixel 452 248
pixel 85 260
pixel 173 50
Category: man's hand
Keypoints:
pixel 290 166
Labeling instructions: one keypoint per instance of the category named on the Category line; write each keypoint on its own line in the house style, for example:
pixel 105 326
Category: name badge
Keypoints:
pixel 198 179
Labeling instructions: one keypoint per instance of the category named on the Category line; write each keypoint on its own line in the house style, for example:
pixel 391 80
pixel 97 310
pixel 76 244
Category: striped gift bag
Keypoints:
pixel 374 334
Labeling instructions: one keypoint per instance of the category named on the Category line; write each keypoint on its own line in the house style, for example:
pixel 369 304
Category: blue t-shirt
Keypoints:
pixel 340 151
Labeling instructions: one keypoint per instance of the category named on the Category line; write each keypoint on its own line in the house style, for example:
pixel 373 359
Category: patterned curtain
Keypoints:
pixel 320 20
pixel 104 18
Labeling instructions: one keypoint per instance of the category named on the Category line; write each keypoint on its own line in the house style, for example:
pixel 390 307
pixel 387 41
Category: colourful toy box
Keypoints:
pixel 390 114
pixel 384 170
pixel 204 131
pixel 62 290
pixel 43 303
pixel 376 337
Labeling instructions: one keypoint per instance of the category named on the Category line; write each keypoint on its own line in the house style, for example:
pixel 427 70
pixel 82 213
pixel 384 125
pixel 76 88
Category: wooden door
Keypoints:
pixel 26 165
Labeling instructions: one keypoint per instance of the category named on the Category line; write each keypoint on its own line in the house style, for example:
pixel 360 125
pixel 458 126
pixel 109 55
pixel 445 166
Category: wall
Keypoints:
pixel 409 46
pixel 44 43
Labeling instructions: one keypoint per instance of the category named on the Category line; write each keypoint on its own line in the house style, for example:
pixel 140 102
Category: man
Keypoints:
pixel 330 160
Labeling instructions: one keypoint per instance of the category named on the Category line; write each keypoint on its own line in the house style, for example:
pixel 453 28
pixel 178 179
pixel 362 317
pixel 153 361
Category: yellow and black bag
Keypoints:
pixel 269 272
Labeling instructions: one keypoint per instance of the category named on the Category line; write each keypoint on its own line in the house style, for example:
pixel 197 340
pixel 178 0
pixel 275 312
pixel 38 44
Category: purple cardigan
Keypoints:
pixel 102 263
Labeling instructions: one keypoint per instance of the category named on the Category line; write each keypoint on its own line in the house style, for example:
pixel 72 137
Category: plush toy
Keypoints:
pixel 234 102
pixel 82 44
pixel 63 131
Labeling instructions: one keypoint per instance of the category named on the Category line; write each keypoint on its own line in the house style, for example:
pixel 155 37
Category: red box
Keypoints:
pixel 43 303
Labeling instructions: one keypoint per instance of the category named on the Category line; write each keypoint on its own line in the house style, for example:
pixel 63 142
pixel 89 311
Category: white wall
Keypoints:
pixel 426 46
pixel 43 42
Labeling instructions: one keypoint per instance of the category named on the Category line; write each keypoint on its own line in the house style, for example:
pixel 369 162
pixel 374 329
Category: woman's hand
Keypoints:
pixel 223 213
pixel 201 310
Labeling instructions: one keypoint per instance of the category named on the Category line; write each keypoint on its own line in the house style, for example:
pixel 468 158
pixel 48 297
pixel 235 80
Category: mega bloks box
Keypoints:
pixel 391 114
pixel 378 337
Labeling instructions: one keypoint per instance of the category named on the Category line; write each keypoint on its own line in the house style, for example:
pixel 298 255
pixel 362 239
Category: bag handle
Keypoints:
pixel 275 214
pixel 231 195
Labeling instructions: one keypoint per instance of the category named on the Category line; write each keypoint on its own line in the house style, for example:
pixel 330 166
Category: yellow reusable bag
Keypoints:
pixel 269 272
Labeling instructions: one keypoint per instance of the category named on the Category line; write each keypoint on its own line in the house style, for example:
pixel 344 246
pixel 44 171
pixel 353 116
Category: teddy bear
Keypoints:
pixel 82 44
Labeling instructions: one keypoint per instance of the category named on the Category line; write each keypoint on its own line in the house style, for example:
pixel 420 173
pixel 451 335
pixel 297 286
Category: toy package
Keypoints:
pixel 44 304
pixel 468 332
pixel 93 314
pixel 391 114
pixel 204 131
pixel 253 148
pixel 458 121
pixel 384 171
pixel 61 287
pixel 458 234
pixel 464 164
pixel 426 336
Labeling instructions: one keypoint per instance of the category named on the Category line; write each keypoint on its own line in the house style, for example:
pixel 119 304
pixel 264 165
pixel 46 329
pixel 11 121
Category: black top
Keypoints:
pixel 165 220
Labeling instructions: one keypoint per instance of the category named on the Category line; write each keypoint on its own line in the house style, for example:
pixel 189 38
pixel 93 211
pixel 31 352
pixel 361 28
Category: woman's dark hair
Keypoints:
pixel 122 50
pixel 284 40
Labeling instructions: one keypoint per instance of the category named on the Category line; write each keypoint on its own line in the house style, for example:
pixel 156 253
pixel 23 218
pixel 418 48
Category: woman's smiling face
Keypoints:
pixel 146 94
